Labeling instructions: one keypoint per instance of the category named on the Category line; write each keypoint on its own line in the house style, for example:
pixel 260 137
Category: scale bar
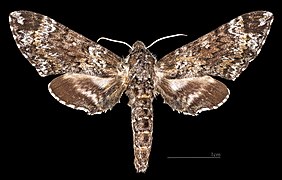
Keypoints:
pixel 200 157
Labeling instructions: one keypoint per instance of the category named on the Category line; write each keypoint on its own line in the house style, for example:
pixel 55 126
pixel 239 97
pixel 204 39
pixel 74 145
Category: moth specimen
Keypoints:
pixel 93 79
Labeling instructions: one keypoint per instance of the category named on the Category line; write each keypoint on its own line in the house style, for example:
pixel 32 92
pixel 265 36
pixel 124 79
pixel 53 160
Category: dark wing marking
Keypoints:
pixel 53 48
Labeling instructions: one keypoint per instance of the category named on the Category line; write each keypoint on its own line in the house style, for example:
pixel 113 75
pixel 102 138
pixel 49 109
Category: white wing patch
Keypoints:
pixel 177 84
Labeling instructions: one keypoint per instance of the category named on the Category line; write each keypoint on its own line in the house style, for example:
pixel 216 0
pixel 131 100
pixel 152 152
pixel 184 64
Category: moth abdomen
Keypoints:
pixel 142 126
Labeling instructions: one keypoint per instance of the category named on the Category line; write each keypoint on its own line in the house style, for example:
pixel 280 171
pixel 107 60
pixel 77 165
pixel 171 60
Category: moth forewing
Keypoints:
pixel 224 52
pixel 53 48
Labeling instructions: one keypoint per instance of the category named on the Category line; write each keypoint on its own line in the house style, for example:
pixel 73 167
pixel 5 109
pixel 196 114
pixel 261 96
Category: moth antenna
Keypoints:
pixel 166 37
pixel 114 40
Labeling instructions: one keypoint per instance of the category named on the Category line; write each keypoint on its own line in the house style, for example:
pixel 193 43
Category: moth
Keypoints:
pixel 93 79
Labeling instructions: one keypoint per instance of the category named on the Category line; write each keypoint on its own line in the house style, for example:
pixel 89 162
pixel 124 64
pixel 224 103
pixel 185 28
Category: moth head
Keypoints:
pixel 136 50
pixel 138 54
pixel 138 45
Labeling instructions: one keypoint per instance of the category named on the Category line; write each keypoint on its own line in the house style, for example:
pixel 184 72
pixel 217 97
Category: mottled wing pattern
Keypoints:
pixel 94 81
pixel 52 48
pixel 183 75
pixel 224 52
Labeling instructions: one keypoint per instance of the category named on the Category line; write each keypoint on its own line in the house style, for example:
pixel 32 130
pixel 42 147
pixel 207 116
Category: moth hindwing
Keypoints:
pixel 92 78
